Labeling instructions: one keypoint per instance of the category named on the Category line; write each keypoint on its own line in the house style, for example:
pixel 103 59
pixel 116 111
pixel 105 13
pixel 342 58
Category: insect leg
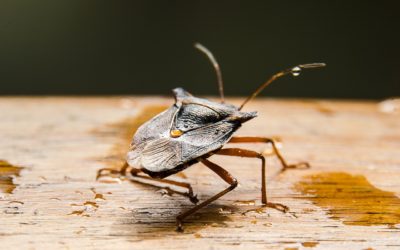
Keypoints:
pixel 225 175
pixel 138 178
pixel 193 198
pixel 121 171
pixel 285 165
pixel 253 154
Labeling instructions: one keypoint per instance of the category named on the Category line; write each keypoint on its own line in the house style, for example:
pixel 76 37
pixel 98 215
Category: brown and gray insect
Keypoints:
pixel 192 130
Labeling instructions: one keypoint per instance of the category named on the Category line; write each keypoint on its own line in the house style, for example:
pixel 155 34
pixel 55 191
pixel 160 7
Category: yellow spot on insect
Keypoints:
pixel 176 133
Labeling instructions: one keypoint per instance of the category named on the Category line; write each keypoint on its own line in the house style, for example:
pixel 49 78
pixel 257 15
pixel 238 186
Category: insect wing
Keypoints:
pixel 206 139
pixel 161 154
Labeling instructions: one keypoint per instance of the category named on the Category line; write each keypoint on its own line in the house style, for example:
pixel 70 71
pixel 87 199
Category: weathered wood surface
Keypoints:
pixel 62 142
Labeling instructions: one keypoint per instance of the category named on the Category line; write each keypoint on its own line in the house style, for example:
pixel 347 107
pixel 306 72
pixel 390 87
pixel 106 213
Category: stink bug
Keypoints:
pixel 192 130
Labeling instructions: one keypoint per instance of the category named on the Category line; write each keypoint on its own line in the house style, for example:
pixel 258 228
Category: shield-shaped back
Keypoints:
pixel 189 129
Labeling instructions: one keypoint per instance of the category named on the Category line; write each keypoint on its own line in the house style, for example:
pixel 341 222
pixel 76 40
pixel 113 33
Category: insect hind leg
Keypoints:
pixel 225 175
pixel 136 177
pixel 253 154
pixel 285 165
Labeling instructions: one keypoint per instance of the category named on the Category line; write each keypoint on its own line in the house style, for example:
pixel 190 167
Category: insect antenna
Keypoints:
pixel 216 68
pixel 295 71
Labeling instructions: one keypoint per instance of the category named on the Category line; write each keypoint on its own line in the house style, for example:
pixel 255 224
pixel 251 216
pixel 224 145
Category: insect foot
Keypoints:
pixel 108 171
pixel 193 198
pixel 179 227
pixel 300 165
pixel 280 207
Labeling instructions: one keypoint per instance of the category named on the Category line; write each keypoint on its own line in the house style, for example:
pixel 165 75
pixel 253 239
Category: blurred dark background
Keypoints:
pixel 146 47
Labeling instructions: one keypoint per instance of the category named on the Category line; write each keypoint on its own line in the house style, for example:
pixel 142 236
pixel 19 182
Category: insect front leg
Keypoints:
pixel 192 197
pixel 225 175
pixel 137 177
pixel 109 171
pixel 285 165
pixel 253 154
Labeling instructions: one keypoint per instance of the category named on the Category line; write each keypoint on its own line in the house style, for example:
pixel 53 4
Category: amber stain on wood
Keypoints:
pixel 97 195
pixel 79 213
pixel 7 174
pixel 309 244
pixel 88 206
pixel 124 130
pixel 351 199
pixel 91 203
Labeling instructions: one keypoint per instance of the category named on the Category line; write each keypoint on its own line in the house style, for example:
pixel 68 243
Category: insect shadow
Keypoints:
pixel 191 131
pixel 146 221
pixel 136 228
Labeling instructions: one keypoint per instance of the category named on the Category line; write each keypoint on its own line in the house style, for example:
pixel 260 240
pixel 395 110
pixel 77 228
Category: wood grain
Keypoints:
pixel 62 141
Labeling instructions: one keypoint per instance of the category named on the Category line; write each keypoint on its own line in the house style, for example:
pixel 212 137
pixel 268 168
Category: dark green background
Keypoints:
pixel 145 47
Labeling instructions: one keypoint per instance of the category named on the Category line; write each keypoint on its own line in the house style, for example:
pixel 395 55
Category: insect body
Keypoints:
pixel 192 130
pixel 189 129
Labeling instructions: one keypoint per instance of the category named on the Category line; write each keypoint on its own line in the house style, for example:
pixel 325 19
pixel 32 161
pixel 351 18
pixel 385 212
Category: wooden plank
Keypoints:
pixel 348 199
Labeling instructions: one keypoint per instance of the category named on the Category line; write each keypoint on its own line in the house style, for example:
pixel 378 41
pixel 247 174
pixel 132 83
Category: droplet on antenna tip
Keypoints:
pixel 296 71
